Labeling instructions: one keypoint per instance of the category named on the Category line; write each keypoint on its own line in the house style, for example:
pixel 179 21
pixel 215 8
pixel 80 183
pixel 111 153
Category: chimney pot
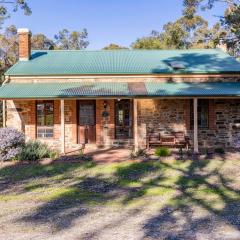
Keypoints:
pixel 24 44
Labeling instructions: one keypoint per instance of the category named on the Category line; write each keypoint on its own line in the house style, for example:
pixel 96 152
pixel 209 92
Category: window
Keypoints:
pixel 45 119
pixel 203 114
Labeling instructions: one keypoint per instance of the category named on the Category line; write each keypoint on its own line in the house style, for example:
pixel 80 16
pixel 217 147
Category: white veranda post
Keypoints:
pixel 135 121
pixel 195 125
pixel 62 127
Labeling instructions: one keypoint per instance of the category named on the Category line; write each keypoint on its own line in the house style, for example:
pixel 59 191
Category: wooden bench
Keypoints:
pixel 173 140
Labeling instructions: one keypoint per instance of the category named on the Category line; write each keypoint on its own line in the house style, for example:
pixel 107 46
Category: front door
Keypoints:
pixel 86 122
pixel 123 117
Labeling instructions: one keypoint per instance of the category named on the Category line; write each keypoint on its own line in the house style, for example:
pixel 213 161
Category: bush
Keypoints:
pixel 219 151
pixel 35 150
pixel 162 152
pixel 11 142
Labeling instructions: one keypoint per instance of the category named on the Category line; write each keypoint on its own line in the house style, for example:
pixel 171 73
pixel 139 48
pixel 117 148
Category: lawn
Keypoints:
pixel 129 200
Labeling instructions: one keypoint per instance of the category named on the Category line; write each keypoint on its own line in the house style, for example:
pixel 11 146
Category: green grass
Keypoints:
pixel 122 184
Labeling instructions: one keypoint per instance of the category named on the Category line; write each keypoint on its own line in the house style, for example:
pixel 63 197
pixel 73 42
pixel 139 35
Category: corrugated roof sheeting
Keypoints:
pixel 62 62
pixel 92 90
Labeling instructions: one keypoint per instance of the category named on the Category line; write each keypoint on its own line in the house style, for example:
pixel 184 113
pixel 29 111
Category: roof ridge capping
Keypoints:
pixel 130 50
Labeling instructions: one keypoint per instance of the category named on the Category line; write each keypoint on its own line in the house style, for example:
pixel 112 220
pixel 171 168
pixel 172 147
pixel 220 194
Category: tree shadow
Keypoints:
pixel 88 192
pixel 201 62
pixel 193 184
pixel 181 218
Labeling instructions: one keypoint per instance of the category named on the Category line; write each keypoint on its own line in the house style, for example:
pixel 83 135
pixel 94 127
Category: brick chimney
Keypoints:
pixel 24 44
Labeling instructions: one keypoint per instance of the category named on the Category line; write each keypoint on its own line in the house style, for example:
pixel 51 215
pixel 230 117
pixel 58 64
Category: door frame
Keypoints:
pixel 78 104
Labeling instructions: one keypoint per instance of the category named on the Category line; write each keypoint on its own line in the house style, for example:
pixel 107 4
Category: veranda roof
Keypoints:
pixel 117 90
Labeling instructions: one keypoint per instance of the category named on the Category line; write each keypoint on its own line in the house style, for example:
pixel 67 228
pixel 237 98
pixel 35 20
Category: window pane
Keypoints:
pixel 45 119
pixel 203 112
pixel 40 114
pixel 87 114
pixel 49 114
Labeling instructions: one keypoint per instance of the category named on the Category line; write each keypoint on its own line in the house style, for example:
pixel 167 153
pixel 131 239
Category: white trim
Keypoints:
pixel 23 30
pixel 23 59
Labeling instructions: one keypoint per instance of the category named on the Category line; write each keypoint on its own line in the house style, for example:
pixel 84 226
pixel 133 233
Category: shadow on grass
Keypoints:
pixel 192 184
pixel 196 191
pixel 86 192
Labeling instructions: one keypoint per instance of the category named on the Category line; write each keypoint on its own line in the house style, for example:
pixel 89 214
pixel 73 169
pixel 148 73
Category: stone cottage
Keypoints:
pixel 104 98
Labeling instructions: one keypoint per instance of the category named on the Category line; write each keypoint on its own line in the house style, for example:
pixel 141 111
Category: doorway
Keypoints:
pixel 123 119
pixel 86 121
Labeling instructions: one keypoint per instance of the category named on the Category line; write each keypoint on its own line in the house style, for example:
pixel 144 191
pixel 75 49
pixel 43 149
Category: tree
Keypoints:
pixel 8 48
pixel 113 46
pixel 72 40
pixel 230 20
pixel 181 34
pixel 208 37
pixel 8 53
pixel 16 4
pixel 173 37
pixel 152 41
pixel 40 41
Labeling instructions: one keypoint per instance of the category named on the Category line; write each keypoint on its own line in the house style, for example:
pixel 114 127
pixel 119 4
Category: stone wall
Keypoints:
pixel 161 116
pixel 165 116
pixel 105 126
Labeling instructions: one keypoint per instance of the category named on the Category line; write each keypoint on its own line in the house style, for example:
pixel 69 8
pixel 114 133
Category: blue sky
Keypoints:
pixel 107 21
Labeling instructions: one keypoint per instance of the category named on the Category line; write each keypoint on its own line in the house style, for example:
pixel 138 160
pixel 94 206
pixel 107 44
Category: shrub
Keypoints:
pixel 11 142
pixel 219 150
pixel 162 152
pixel 35 150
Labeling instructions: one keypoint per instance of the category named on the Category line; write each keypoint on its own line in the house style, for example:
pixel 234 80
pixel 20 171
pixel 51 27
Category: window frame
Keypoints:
pixel 45 127
pixel 201 127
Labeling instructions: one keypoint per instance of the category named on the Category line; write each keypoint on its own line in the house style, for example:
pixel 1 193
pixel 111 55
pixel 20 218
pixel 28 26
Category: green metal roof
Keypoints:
pixel 125 62
pixel 128 90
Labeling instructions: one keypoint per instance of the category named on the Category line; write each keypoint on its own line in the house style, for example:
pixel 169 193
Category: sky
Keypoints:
pixel 107 21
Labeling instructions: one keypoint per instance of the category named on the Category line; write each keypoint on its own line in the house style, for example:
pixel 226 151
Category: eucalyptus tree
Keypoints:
pixel 6 6
pixel 68 40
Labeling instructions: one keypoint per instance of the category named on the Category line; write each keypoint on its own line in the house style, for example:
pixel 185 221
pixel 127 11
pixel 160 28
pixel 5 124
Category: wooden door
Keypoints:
pixel 86 122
